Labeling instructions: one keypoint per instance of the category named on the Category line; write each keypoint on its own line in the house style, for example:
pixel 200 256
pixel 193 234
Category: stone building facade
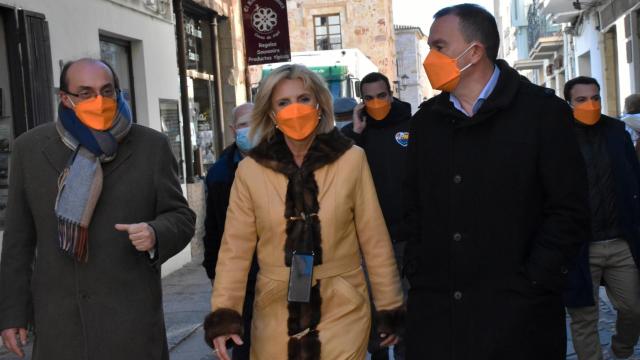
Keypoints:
pixel 411 49
pixel 340 24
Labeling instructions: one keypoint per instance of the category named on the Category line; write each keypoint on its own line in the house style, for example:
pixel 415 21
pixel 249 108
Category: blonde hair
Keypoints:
pixel 262 126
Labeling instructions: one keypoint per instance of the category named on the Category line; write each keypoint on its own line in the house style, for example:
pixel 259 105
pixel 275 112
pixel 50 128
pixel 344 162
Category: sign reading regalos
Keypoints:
pixel 266 31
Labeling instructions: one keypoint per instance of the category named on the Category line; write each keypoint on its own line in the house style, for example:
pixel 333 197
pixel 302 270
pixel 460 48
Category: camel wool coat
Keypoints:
pixel 352 229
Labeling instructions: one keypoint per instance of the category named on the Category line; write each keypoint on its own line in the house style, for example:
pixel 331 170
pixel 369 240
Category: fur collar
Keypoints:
pixel 275 154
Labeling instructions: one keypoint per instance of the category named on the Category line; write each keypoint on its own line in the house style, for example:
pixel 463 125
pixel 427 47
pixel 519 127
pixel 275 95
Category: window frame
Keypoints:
pixel 128 48
pixel 328 34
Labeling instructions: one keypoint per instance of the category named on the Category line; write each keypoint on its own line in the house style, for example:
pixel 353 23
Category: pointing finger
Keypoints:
pixel 123 227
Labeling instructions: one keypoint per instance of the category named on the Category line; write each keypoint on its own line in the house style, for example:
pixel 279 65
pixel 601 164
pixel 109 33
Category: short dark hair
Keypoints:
pixel 476 24
pixel 375 77
pixel 580 80
pixel 632 104
pixel 64 82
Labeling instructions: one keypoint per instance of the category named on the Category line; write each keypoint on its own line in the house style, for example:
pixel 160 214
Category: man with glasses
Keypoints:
pixel 381 127
pixel 95 207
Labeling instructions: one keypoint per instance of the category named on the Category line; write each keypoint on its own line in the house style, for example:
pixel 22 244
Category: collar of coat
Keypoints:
pixel 275 154
pixel 509 84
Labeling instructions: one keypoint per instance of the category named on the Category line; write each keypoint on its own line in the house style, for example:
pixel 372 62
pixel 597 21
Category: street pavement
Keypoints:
pixel 186 295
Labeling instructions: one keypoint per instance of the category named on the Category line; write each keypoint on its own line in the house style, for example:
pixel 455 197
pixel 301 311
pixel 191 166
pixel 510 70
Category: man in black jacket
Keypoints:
pixel 613 174
pixel 381 127
pixel 496 200
pixel 218 181
pixel 383 132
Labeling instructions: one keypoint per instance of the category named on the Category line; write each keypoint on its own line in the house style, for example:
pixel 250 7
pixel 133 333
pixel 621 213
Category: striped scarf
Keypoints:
pixel 80 183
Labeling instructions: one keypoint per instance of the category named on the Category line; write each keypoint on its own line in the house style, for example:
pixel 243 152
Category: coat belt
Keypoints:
pixel 322 271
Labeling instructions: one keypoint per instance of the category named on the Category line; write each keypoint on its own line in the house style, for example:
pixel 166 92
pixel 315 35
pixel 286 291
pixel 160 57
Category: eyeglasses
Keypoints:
pixel 87 94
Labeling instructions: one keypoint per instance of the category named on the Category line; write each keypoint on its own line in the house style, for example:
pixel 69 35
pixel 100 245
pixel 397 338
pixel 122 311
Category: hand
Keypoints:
pixel 220 343
pixel 142 236
pixel 358 122
pixel 11 342
pixel 388 339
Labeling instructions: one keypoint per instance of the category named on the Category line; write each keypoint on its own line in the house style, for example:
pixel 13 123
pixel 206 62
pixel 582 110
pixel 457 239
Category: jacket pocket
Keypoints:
pixel 349 291
pixel 268 291
pixel 520 283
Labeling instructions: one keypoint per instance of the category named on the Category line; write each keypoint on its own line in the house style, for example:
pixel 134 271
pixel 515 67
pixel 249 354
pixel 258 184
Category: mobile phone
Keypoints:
pixel 300 277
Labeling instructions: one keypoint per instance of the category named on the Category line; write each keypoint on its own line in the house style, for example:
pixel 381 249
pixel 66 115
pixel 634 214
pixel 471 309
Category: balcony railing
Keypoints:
pixel 539 25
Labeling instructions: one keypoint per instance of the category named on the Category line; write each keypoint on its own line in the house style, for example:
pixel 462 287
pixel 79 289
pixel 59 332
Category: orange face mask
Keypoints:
pixel 587 112
pixel 443 71
pixel 378 109
pixel 97 113
pixel 298 121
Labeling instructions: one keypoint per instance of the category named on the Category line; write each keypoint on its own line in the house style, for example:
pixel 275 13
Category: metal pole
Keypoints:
pixel 247 73
pixel 184 91
pixel 247 81
pixel 215 55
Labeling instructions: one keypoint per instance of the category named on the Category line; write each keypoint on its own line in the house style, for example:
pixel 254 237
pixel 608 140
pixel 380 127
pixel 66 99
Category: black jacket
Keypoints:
pixel 626 188
pixel 497 208
pixel 385 144
pixel 602 196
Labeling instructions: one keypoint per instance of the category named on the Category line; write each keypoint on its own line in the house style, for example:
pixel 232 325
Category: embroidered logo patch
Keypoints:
pixel 402 138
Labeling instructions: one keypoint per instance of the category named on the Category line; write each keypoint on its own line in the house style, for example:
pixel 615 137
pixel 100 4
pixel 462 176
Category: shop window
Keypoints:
pixel 198 37
pixel 117 53
pixel 202 109
pixel 328 33
pixel 170 125
pixel 6 135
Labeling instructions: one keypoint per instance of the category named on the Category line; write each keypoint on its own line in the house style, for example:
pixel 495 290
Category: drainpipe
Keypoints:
pixel 217 81
pixel 178 11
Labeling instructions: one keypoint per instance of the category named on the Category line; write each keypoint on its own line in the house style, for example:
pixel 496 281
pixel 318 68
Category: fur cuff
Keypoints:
pixel 222 322
pixel 390 321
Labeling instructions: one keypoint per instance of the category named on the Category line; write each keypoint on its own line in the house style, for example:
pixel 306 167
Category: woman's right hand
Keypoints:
pixel 220 345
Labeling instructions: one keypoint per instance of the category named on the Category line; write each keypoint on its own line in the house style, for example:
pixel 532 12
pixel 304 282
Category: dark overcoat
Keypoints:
pixel 110 307
pixel 496 208
pixel 626 174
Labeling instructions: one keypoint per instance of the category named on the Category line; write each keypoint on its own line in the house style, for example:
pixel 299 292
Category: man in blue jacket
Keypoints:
pixel 218 181
pixel 611 257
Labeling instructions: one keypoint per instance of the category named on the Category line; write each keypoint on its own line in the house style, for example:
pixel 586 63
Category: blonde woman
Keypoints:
pixel 304 200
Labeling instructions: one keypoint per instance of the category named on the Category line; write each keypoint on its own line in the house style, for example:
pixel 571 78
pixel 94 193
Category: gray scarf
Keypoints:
pixel 80 183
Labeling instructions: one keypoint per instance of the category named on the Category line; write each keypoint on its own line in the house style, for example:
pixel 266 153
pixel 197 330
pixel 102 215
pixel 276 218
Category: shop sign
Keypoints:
pixel 266 31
